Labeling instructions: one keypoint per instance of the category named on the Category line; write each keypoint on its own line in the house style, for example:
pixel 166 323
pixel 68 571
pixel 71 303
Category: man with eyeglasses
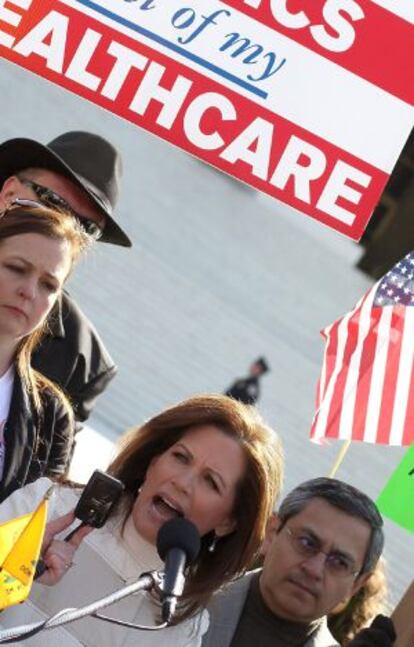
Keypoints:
pixel 79 172
pixel 320 549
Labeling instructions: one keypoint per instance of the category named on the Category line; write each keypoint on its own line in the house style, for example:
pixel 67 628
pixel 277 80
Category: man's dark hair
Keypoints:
pixel 345 497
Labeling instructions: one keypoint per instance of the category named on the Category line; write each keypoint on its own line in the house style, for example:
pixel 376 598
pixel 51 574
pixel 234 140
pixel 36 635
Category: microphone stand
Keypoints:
pixel 145 582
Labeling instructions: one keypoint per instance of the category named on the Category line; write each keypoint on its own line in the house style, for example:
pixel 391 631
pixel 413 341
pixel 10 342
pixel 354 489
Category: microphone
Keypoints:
pixel 178 544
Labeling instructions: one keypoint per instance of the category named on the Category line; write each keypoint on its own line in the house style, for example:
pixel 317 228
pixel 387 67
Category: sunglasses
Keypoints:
pixel 50 198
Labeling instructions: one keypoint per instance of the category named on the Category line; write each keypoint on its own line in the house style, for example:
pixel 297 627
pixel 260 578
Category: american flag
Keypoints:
pixel 366 388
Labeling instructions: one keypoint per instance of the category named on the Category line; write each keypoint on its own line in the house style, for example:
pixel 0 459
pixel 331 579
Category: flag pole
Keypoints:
pixel 339 458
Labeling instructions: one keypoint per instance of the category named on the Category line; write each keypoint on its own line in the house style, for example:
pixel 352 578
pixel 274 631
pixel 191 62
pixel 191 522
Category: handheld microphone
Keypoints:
pixel 178 544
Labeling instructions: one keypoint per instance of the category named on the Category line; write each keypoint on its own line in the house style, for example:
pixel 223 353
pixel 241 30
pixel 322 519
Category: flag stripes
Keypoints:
pixel 366 389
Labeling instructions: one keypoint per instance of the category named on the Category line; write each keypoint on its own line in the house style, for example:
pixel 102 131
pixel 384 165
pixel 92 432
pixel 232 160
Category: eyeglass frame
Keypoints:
pixel 316 550
pixel 49 198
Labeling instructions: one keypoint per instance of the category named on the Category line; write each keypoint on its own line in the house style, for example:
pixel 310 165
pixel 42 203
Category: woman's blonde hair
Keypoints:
pixel 362 608
pixel 256 493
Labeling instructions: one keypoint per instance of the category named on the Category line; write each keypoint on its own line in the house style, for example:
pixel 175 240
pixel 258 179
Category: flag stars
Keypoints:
pixel 397 286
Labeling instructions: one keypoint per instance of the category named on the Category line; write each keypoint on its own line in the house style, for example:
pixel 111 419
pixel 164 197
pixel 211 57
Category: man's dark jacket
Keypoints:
pixel 226 607
pixel 73 356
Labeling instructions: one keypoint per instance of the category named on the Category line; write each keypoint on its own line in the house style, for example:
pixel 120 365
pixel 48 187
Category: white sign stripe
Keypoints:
pixel 404 379
pixel 353 376
pixel 402 8
pixel 350 116
pixel 378 376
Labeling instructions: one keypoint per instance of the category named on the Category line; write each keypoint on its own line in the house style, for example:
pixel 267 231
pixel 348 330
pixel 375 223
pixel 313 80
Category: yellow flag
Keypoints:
pixel 20 544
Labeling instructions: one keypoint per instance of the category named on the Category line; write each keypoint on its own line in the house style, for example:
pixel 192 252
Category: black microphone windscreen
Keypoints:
pixel 179 533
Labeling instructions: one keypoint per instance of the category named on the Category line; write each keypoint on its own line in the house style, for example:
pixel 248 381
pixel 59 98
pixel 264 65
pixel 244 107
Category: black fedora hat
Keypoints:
pixel 88 160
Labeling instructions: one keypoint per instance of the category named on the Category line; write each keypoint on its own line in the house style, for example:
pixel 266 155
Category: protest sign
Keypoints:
pixel 303 106
pixel 396 500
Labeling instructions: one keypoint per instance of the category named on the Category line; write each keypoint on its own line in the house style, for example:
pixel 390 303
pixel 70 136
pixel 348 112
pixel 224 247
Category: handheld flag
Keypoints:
pixel 20 544
pixel 366 389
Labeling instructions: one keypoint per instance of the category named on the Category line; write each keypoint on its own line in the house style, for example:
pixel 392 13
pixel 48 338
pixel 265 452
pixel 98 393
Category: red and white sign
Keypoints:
pixel 309 101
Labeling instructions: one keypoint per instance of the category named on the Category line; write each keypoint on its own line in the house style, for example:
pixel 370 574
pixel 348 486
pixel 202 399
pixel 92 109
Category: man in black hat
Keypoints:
pixel 78 171
pixel 247 389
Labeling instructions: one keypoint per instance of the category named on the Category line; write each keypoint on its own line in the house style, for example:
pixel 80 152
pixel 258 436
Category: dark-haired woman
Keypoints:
pixel 209 459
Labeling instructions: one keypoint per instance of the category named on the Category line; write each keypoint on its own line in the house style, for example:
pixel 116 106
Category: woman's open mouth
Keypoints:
pixel 166 508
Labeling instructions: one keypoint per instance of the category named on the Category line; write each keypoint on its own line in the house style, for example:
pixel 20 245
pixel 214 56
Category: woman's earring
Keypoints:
pixel 213 544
